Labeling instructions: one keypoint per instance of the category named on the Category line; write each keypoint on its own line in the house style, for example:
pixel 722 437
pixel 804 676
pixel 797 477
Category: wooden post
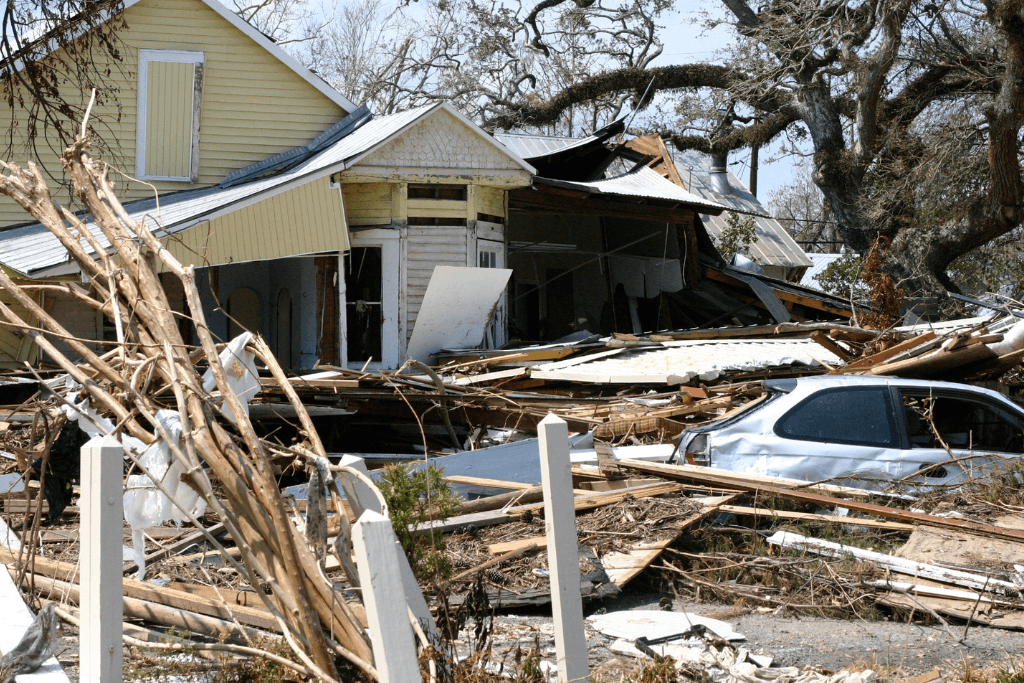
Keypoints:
pixel 387 614
pixel 361 498
pixel 102 513
pixel 563 552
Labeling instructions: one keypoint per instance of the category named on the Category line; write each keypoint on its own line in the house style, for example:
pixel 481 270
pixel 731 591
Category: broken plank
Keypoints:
pixel 495 562
pixel 882 356
pixel 512 546
pixel 177 547
pixel 624 567
pixel 811 517
pixel 67 574
pixel 488 483
pixel 596 500
pixel 736 481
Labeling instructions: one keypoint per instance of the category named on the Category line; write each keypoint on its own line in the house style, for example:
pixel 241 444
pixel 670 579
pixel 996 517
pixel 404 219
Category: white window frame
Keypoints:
pixel 180 56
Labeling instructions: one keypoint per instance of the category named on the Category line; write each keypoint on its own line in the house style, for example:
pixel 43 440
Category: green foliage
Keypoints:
pixel 415 496
pixel 736 238
pixel 843 276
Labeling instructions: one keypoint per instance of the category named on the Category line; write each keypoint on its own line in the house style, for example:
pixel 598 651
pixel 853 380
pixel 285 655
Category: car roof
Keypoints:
pixel 822 381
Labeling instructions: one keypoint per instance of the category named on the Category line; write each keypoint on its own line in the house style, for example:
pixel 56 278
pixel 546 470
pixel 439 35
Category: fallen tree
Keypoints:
pixel 121 259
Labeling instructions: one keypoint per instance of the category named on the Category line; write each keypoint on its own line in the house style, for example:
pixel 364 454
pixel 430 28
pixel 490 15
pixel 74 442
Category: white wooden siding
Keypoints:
pixel 426 248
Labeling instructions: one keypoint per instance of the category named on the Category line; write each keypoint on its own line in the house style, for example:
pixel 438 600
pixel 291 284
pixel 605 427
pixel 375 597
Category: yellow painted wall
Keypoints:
pixel 490 200
pixel 304 220
pixel 368 203
pixel 253 106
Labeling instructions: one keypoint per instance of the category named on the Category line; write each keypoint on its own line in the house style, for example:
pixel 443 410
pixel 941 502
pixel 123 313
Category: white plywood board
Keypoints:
pixel 17 618
pixel 456 308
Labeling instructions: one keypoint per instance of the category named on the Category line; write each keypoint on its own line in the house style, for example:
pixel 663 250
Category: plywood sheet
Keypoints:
pixel 456 308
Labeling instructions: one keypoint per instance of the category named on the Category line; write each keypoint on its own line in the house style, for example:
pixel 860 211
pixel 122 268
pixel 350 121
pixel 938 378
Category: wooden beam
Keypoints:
pixel 678 472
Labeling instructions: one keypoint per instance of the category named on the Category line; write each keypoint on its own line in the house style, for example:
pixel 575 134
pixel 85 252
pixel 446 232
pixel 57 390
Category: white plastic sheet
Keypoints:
pixel 240 367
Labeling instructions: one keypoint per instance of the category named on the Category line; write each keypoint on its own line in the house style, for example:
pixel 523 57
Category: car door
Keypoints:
pixel 955 435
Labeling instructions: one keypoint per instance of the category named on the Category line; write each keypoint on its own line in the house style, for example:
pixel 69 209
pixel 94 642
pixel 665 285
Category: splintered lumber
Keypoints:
pixel 829 344
pixel 624 567
pixel 512 546
pixel 892 351
pixel 736 481
pixel 596 500
pixel 935 362
pixel 530 495
pixel 489 483
pixel 67 574
pixel 811 517
pixel 497 560
pixel 176 547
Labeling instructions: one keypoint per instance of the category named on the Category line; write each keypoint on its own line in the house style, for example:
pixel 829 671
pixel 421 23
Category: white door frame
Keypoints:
pixel 388 242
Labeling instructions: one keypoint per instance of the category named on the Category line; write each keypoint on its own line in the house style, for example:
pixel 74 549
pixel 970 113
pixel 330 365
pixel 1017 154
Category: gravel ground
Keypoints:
pixel 894 650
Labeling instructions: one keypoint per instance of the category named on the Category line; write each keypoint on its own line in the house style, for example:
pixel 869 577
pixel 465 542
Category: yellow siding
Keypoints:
pixel 304 220
pixel 169 119
pixel 253 105
pixel 437 208
pixel 490 200
pixel 368 203
pixel 427 248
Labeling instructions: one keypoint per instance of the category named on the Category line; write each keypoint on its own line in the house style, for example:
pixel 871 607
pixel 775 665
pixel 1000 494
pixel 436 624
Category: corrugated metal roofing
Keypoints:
pixel 642 182
pixel 33 249
pixel 536 146
pixel 681 361
pixel 774 245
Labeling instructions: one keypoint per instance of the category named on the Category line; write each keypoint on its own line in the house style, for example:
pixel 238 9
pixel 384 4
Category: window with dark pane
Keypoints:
pixel 857 415
pixel 363 309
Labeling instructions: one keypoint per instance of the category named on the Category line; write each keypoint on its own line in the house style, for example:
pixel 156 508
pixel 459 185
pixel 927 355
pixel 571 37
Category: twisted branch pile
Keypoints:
pixel 153 358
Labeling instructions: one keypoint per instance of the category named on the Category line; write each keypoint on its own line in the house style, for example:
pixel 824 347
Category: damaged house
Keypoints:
pixel 616 229
pixel 320 231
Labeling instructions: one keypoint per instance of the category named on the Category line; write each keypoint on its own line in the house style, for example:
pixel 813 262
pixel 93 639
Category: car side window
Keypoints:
pixel 961 422
pixel 859 416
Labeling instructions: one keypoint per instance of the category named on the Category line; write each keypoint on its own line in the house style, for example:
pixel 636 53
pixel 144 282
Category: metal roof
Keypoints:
pixel 681 361
pixel 643 183
pixel 33 249
pixel 535 146
pixel 774 245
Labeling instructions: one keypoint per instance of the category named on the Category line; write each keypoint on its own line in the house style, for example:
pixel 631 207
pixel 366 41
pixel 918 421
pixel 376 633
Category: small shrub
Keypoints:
pixel 740 232
pixel 415 496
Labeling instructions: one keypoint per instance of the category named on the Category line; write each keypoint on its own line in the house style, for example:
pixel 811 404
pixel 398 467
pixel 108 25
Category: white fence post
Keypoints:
pixel 101 654
pixel 387 613
pixel 361 498
pixel 563 551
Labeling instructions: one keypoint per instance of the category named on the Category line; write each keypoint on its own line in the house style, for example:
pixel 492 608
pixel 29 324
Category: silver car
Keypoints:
pixel 870 429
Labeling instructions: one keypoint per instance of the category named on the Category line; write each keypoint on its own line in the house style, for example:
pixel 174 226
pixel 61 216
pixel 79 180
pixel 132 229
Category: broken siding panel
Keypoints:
pixel 427 248
pixel 368 203
pixel 437 208
pixel 490 200
pixel 169 119
pixel 304 220
pixel 244 119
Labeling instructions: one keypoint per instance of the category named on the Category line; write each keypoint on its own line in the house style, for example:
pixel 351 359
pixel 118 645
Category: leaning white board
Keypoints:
pixel 17 618
pixel 456 308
